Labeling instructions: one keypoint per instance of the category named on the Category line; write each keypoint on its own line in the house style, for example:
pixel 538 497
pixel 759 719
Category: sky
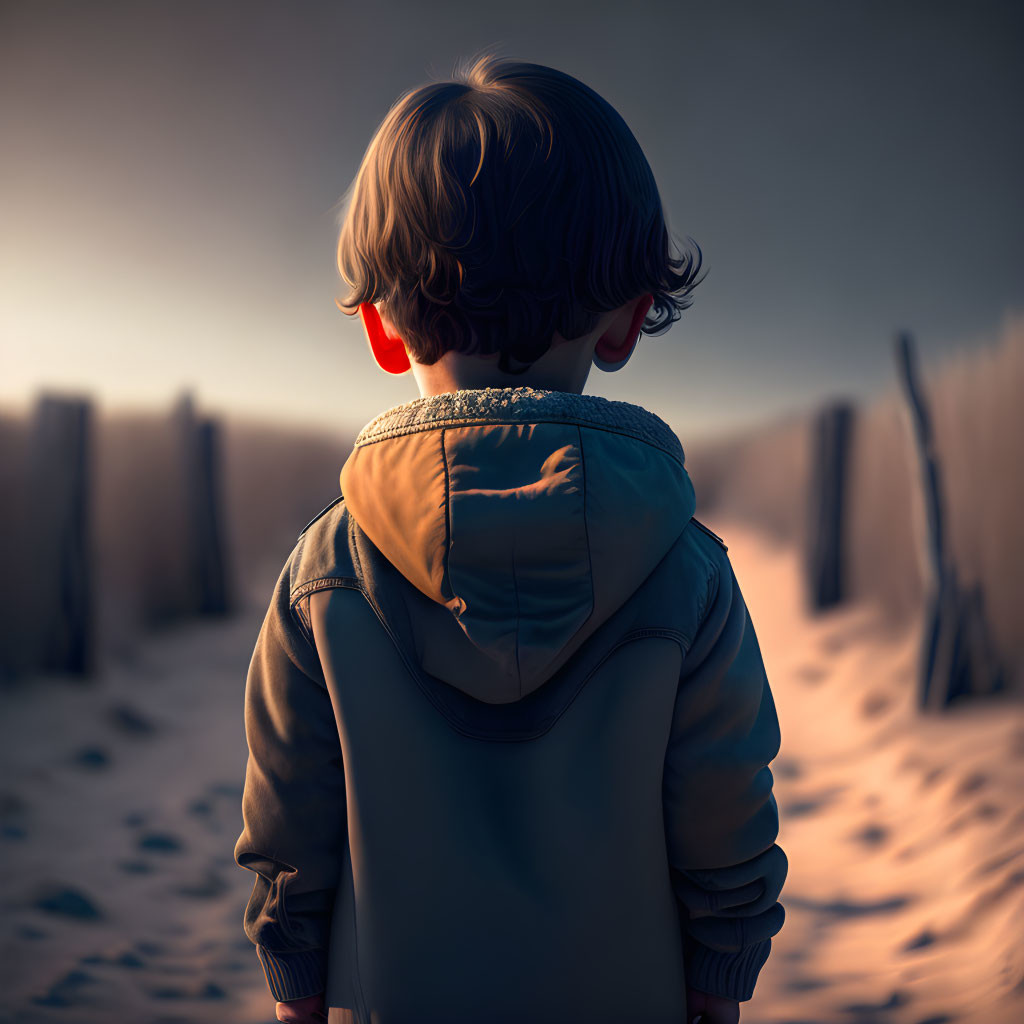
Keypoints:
pixel 172 172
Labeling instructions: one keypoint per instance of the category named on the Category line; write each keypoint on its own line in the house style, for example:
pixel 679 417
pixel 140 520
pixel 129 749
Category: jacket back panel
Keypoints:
pixel 520 838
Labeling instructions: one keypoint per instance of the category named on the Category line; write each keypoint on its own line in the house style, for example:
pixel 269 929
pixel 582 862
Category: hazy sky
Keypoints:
pixel 170 174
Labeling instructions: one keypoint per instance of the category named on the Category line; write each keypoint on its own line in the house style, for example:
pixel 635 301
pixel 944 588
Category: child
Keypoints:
pixel 508 722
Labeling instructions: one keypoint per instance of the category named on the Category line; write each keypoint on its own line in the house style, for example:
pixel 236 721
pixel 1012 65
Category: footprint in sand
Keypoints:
pixel 871 834
pixel 875 704
pixel 787 768
pixel 896 999
pixel 160 842
pixel 991 866
pixel 63 901
pixel 922 940
pixel 12 807
pixel 136 867
pixel 126 959
pixel 67 991
pixel 812 675
pixel 200 808
pixel 91 758
pixel 971 783
pixel 850 908
pixel 210 991
pixel 988 810
pixel 206 812
pixel 811 804
pixel 805 984
pixel 13 817
pixel 835 643
pixel 129 960
pixel 125 719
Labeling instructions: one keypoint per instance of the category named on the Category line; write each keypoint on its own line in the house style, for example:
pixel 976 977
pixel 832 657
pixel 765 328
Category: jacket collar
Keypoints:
pixel 521 405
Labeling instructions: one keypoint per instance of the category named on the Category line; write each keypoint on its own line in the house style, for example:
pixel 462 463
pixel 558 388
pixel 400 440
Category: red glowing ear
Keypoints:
pixel 388 351
pixel 611 358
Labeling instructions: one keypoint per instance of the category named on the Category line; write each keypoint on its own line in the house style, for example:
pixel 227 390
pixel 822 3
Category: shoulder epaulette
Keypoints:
pixel 321 513
pixel 711 533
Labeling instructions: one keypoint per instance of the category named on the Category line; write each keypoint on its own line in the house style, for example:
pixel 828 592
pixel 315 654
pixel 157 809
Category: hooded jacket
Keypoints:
pixel 509 729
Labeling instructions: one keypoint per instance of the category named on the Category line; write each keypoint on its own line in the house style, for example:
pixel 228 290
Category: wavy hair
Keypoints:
pixel 491 210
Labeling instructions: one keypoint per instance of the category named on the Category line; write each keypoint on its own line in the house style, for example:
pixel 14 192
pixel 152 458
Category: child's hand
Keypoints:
pixel 710 1009
pixel 309 1010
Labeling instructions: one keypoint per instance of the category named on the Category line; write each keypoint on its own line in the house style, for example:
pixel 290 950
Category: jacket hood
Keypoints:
pixel 527 518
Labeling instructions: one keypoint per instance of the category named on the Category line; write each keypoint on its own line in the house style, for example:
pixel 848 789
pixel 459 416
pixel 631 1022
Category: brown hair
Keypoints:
pixel 491 210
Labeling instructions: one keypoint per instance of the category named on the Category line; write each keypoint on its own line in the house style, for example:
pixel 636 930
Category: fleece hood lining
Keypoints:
pixel 521 405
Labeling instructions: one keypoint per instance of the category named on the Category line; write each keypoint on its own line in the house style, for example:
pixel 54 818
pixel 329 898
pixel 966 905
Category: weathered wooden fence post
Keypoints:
pixel 957 657
pixel 825 570
pixel 60 528
pixel 209 522
pixel 200 448
pixel 16 614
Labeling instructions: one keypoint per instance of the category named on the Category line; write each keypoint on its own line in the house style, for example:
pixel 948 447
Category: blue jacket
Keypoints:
pixel 509 729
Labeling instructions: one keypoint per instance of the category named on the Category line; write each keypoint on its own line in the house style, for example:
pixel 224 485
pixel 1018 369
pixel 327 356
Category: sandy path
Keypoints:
pixel 905 835
pixel 141 825
pixel 119 807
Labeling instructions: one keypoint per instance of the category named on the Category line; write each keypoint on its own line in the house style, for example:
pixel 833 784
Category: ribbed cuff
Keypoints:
pixel 728 975
pixel 294 975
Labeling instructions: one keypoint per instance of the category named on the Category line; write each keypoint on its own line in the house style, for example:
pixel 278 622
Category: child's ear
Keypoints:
pixel 612 353
pixel 388 349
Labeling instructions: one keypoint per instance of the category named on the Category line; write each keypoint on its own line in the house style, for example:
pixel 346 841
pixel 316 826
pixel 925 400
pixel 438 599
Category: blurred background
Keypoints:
pixel 178 393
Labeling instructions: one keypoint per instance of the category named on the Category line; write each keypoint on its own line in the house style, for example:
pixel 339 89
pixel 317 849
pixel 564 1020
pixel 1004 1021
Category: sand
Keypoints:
pixel 120 803
pixel 119 808
pixel 905 833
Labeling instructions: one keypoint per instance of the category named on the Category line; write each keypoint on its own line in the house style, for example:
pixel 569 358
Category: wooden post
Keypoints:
pixel 826 577
pixel 211 565
pixel 957 657
pixel 59 513
pixel 200 452
pixel 16 580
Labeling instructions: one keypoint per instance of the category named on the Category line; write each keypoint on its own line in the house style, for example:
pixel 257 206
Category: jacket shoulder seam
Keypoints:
pixel 320 514
pixel 711 533
pixel 322 583
pixel 714 558
pixel 300 593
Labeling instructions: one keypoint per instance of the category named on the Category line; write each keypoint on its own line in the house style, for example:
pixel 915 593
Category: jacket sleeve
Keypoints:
pixel 293 805
pixel 721 818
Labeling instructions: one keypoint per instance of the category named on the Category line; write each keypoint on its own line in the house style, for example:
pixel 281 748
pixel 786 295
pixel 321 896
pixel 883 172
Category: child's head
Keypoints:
pixel 499 211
